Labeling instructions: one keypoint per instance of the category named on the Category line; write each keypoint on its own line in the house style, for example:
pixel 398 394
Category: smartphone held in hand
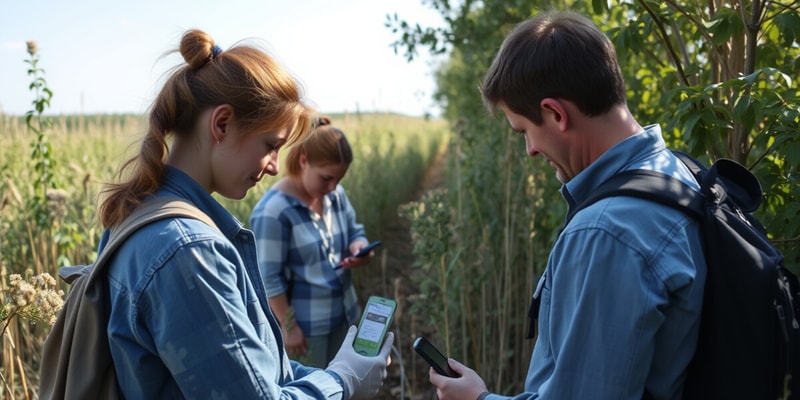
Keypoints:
pixel 367 249
pixel 374 325
pixel 362 253
pixel 434 357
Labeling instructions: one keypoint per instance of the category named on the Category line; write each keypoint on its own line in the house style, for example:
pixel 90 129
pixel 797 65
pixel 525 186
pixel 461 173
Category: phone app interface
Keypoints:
pixel 374 322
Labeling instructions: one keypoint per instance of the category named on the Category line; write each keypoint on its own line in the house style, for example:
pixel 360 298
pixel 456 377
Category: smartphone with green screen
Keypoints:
pixel 374 324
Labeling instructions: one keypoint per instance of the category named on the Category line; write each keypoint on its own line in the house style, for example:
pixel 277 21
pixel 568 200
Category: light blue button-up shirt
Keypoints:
pixel 623 288
pixel 189 317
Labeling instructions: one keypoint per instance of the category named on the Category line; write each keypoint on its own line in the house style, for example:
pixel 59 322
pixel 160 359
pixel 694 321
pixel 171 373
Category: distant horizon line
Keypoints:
pixel 79 114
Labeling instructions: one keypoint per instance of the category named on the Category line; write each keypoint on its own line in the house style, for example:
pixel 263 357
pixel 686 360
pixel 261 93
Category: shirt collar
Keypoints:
pixel 618 158
pixel 178 183
pixel 329 200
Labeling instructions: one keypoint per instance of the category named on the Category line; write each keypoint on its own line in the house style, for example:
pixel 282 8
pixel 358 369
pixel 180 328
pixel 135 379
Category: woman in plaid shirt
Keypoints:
pixel 305 230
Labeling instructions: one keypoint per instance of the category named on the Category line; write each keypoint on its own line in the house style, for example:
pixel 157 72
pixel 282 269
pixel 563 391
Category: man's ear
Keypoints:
pixel 221 119
pixel 554 110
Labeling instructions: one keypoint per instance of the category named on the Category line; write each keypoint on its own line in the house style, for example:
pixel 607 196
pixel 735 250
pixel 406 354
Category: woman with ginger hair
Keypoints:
pixel 306 230
pixel 188 317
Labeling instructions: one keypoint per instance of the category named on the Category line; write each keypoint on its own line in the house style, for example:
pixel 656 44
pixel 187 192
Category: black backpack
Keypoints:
pixel 749 344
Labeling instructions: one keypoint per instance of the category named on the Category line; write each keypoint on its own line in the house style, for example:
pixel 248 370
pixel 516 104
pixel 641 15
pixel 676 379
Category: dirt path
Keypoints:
pixel 408 374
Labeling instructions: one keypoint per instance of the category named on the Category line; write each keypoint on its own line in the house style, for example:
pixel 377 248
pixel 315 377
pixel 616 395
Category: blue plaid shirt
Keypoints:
pixel 297 252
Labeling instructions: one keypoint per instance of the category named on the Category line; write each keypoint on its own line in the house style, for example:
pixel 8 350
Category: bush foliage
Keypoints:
pixel 721 79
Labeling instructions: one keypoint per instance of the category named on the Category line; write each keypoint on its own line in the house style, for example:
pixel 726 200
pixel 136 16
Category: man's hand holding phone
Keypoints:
pixel 434 357
pixel 468 385
pixel 453 381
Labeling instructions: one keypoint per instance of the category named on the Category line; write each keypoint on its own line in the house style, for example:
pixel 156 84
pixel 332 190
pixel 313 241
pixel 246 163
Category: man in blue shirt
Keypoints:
pixel 621 296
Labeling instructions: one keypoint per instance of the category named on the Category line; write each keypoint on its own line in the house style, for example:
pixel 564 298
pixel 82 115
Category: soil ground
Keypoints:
pixel 394 266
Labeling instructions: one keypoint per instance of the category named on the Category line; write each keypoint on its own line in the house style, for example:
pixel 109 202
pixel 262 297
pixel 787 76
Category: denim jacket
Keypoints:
pixel 189 317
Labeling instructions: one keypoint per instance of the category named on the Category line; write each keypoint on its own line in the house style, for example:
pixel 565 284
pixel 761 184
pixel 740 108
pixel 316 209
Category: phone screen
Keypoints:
pixel 434 357
pixel 374 324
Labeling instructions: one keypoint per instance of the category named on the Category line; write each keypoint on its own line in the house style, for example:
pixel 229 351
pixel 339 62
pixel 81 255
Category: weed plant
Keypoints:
pixel 480 243
pixel 26 243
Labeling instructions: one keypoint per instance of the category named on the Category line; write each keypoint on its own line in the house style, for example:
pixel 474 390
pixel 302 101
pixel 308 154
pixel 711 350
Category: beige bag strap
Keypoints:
pixel 76 360
pixel 150 211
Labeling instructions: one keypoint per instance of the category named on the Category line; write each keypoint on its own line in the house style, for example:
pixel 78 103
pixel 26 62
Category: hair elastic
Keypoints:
pixel 215 52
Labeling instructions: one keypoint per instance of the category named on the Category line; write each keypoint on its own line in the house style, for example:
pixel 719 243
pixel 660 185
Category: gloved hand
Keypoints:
pixel 362 375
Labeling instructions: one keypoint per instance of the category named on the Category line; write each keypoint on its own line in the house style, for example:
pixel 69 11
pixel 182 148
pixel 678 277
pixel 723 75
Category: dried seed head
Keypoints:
pixel 57 203
pixel 32 48
pixel 36 298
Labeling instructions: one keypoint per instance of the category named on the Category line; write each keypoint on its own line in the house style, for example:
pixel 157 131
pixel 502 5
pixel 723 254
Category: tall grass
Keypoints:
pixel 82 151
pixel 391 154
pixel 480 243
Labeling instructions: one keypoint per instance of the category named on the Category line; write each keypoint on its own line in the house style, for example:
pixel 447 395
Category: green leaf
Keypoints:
pixel 789 27
pixel 601 6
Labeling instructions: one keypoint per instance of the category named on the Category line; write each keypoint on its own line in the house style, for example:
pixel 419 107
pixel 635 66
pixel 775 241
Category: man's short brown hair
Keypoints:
pixel 559 55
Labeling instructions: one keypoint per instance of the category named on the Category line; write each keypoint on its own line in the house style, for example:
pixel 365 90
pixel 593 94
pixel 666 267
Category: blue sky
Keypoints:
pixel 105 56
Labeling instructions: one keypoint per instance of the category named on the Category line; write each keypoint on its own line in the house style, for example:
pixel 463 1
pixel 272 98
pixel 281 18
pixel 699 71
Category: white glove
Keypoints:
pixel 362 376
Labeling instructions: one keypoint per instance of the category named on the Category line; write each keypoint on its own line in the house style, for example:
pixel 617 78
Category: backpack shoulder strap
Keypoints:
pixel 724 182
pixel 695 166
pixel 148 212
pixel 649 185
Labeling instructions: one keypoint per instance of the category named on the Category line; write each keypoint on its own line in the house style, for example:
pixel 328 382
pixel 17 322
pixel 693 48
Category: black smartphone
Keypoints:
pixel 434 357
pixel 363 252
pixel 367 249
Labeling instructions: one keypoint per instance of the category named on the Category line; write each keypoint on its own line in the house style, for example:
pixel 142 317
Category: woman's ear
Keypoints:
pixel 555 111
pixel 221 118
